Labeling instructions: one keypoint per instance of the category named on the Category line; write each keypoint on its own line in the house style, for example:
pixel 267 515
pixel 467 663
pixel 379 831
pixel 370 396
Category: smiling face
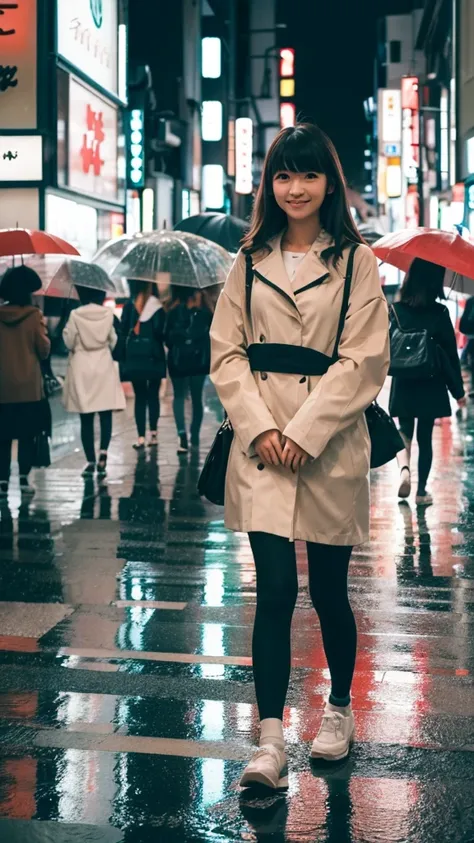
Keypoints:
pixel 300 195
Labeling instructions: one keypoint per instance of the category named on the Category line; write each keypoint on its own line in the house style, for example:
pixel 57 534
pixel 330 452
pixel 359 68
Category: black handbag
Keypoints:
pixel 385 439
pixel 211 483
pixel 42 455
pixel 412 352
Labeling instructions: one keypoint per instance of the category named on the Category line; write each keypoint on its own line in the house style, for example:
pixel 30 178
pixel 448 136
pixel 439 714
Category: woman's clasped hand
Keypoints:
pixel 275 449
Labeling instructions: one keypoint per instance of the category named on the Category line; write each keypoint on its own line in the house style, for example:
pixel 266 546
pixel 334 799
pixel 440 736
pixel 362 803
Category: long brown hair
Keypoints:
pixel 303 148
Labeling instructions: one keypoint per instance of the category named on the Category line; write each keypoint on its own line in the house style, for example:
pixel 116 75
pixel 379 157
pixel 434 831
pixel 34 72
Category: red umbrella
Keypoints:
pixel 445 248
pixel 21 241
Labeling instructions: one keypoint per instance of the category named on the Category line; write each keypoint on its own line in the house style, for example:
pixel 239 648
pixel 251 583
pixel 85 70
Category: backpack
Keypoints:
pixel 190 354
pixel 143 356
pixel 413 353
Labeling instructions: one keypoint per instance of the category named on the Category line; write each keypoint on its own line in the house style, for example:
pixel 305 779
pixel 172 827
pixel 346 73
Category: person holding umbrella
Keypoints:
pixel 92 383
pixel 24 343
pixel 189 357
pixel 142 329
pixel 422 400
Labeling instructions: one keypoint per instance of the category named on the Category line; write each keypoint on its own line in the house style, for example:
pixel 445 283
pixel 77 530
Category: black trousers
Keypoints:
pixel 26 450
pixel 277 590
pixel 424 436
pixel 147 394
pixel 87 432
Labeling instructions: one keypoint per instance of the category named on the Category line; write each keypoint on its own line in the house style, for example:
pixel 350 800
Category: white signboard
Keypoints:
pixel 21 158
pixel 390 115
pixel 243 155
pixel 88 39
pixel 92 150
pixel 74 222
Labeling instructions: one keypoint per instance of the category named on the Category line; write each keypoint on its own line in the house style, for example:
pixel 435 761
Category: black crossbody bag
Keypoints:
pixel 385 439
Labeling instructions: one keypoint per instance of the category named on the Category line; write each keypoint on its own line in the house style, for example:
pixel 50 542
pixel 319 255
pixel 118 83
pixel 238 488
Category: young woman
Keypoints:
pixel 24 343
pixel 187 337
pixel 92 383
pixel 299 463
pixel 424 399
pixel 142 327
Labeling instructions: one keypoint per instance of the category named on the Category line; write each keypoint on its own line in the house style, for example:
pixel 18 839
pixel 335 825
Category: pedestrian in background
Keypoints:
pixel 24 343
pixel 299 463
pixel 466 326
pixel 423 400
pixel 92 383
pixel 144 364
pixel 189 356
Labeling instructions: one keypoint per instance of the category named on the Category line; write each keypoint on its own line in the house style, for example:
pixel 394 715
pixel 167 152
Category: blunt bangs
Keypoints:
pixel 299 152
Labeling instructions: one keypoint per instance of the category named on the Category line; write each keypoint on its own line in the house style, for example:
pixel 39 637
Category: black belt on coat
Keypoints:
pixel 287 359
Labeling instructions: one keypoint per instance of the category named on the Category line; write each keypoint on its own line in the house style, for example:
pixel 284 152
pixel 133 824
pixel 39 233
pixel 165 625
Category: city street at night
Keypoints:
pixel 127 707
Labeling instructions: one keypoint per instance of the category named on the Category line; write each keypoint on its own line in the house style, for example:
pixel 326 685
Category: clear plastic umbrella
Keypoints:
pixel 59 274
pixel 165 257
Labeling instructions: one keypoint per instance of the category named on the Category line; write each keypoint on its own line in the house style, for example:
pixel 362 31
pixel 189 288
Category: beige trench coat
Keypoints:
pixel 327 501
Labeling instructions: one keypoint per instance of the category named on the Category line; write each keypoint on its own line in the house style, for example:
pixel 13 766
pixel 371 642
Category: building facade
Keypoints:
pixel 62 104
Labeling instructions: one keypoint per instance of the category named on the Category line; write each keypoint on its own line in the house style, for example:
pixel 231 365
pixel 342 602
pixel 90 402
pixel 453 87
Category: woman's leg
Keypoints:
pixel 424 435
pixel 277 590
pixel 179 397
pixel 153 400
pixel 407 426
pixel 197 387
pixel 328 568
pixel 26 452
pixel 105 429
pixel 140 390
pixel 87 435
pixel 5 459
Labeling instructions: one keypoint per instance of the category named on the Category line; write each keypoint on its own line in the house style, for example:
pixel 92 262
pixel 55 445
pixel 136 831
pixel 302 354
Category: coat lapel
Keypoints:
pixel 311 272
pixel 271 269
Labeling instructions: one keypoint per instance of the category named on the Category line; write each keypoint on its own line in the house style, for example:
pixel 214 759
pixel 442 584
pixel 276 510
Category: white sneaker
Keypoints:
pixel 334 737
pixel 266 767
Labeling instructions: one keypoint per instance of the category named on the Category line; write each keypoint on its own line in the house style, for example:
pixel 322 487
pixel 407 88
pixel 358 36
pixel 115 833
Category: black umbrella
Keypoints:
pixel 223 229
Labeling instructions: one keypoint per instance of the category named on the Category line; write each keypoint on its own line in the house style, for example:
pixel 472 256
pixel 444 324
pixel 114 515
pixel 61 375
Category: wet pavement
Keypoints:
pixel 126 701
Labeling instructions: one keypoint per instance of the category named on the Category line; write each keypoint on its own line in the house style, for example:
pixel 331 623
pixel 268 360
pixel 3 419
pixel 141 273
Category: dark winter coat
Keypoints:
pixel 151 326
pixel 427 398
pixel 184 325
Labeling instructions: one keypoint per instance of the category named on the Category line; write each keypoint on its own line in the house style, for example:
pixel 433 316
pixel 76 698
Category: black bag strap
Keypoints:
pixel 248 283
pixel 345 299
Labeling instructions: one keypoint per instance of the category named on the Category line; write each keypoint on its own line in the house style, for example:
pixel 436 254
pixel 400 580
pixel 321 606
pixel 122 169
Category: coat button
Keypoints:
pixel 260 466
pixel 303 379
pixel 263 338
pixel 264 376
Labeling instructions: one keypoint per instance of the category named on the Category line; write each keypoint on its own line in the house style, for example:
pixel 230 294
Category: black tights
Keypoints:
pixel 147 394
pixel 26 450
pixel 277 590
pixel 87 432
pixel 424 436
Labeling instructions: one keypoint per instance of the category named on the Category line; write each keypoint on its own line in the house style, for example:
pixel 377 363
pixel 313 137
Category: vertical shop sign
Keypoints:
pixel 243 155
pixel 18 65
pixel 410 148
pixel 92 142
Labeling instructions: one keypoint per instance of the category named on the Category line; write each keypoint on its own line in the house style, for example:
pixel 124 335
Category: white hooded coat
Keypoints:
pixel 92 380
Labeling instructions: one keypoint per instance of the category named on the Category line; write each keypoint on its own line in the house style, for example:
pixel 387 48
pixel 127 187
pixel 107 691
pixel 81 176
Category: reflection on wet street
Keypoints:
pixel 126 699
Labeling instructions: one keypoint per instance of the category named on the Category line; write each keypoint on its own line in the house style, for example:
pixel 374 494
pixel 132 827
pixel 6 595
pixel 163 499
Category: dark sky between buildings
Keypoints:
pixel 335 42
